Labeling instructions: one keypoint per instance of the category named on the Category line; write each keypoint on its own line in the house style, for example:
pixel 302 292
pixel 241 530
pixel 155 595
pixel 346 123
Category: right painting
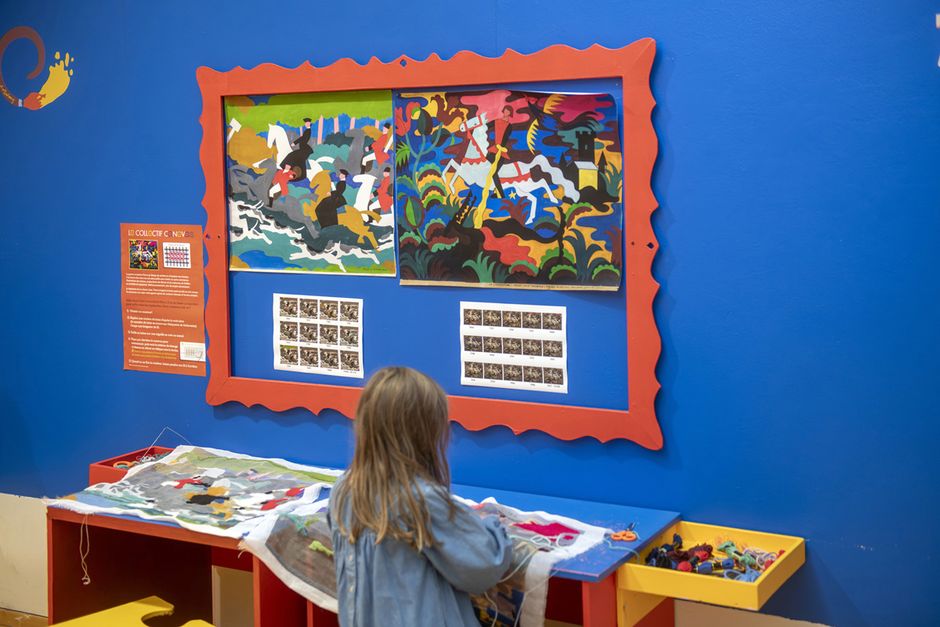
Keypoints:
pixel 509 188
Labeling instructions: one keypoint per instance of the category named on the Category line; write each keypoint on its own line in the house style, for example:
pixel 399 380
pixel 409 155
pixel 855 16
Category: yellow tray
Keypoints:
pixel 649 584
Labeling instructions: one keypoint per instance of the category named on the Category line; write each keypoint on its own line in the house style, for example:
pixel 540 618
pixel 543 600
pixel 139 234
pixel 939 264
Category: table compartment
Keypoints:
pixel 636 577
pixel 105 472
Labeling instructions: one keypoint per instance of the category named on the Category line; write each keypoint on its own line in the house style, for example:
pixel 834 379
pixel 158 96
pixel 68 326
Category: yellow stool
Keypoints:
pixel 129 615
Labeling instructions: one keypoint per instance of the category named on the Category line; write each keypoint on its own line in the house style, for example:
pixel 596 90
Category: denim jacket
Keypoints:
pixel 390 584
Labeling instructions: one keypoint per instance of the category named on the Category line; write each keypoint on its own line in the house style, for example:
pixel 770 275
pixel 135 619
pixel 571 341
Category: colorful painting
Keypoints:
pixel 205 490
pixel 143 254
pixel 509 188
pixel 57 81
pixel 310 183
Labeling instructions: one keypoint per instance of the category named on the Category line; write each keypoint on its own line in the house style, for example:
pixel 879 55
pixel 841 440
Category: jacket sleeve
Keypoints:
pixel 470 552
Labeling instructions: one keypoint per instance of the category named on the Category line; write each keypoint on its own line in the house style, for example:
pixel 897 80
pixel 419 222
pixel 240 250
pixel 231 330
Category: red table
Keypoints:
pixel 131 558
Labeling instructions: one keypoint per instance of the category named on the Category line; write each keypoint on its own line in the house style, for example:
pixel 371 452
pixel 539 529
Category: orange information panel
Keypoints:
pixel 162 298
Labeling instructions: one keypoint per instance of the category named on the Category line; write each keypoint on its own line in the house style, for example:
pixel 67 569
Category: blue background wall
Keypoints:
pixel 800 192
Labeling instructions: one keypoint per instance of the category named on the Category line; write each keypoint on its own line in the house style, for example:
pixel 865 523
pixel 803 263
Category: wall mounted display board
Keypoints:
pixel 402 188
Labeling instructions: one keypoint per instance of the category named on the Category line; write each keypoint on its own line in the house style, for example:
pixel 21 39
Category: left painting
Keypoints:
pixel 310 183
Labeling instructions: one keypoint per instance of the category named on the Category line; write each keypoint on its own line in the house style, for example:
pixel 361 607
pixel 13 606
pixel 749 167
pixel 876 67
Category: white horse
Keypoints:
pixel 474 169
pixel 365 202
pixel 364 193
pixel 277 137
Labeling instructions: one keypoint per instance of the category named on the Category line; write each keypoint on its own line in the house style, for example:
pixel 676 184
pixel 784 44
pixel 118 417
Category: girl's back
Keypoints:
pixel 405 553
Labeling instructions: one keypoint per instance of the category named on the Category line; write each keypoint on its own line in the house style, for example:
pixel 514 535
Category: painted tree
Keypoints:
pixel 567 218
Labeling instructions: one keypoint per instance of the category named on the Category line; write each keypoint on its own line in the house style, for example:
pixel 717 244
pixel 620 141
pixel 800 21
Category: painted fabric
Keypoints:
pixel 280 508
pixel 298 548
pixel 540 540
pixel 205 490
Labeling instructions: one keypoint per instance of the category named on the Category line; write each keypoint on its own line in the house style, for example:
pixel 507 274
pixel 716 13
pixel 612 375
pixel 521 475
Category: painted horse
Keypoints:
pixel 290 171
pixel 474 169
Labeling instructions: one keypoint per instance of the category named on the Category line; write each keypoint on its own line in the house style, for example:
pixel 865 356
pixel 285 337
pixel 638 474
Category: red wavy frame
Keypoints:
pixel 631 64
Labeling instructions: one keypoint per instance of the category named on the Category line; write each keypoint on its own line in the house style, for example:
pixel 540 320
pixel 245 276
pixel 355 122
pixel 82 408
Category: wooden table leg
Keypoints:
pixel 636 609
pixel 599 602
pixel 276 605
pixel 319 617
pixel 663 615
pixel 51 587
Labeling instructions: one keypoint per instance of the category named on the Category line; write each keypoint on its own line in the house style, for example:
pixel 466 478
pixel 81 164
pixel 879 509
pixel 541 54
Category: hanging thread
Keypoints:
pixel 157 439
pixel 525 596
pixel 620 547
pixel 495 608
pixel 84 548
pixel 519 566
pixel 539 542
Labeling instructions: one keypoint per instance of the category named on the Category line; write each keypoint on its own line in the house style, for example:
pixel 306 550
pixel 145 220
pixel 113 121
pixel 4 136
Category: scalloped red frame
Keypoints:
pixel 631 64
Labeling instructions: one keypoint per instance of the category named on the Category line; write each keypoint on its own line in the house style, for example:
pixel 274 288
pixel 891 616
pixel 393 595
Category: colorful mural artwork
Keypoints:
pixel 310 183
pixel 205 490
pixel 56 83
pixel 509 188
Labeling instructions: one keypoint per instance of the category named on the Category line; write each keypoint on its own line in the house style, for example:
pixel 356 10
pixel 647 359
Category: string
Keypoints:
pixel 157 439
pixel 539 542
pixel 486 596
pixel 616 547
pixel 84 535
pixel 522 564
pixel 84 548
pixel 525 596
pixel 543 541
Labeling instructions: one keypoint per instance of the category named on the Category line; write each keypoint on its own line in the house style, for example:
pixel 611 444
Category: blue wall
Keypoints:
pixel 800 192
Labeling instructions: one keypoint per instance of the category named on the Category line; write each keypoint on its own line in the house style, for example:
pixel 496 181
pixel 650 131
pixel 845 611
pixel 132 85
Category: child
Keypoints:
pixel 407 554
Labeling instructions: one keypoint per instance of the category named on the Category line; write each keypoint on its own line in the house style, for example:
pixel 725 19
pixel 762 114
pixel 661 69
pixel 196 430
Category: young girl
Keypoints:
pixel 407 554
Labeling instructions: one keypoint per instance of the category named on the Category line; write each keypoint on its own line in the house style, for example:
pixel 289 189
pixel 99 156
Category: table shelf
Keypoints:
pixel 641 587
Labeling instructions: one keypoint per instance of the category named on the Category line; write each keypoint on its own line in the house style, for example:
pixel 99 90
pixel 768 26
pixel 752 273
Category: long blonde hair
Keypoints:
pixel 401 436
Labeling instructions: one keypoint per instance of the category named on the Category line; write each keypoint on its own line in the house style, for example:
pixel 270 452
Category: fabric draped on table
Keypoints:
pixel 279 510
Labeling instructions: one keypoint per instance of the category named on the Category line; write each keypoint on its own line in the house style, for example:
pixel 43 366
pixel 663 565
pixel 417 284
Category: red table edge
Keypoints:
pixel 598 597
pixel 142 527
pixel 160 529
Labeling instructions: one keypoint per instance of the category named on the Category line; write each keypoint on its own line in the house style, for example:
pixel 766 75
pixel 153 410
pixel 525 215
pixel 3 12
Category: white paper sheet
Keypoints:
pixel 318 334
pixel 514 346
